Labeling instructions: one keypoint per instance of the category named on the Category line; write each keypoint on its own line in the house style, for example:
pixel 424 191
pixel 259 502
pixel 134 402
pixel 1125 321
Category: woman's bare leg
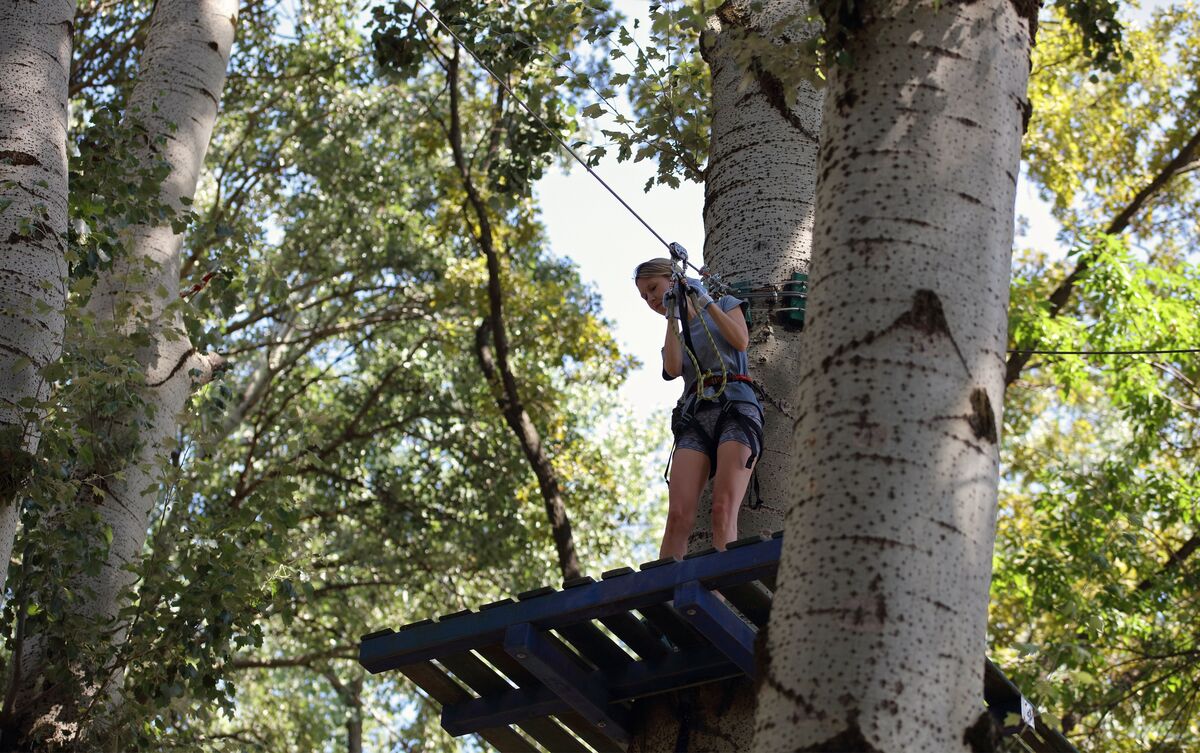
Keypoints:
pixel 729 487
pixel 689 474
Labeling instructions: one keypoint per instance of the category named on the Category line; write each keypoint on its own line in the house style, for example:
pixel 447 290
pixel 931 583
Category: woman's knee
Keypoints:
pixel 679 518
pixel 724 502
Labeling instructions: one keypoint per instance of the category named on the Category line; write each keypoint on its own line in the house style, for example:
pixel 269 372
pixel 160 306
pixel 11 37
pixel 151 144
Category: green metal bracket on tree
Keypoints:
pixel 795 299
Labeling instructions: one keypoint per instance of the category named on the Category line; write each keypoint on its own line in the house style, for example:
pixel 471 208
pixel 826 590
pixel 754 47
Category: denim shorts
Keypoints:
pixel 696 434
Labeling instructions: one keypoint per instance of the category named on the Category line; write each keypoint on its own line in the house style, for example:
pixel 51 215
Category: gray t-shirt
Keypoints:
pixel 711 360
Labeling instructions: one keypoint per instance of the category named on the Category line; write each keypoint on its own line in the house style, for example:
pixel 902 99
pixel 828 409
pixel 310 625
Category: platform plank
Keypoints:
pixel 667 621
pixel 585 692
pixel 483 680
pixel 637 680
pixel 751 599
pixel 512 669
pixel 593 645
pixel 441 688
pixel 589 733
pixel 647 643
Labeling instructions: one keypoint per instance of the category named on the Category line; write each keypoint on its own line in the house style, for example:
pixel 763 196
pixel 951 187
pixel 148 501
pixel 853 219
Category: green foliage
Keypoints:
pixel 668 91
pixel 112 188
pixel 1095 585
pixel 350 469
pixel 1101 33
pixel 524 45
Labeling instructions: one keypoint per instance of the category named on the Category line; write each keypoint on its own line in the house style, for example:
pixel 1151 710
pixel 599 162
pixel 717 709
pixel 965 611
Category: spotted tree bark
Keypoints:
pixel 175 100
pixel 35 56
pixel 758 219
pixel 876 640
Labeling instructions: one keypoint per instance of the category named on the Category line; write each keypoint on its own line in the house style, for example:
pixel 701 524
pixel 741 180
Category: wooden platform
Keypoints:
pixel 557 670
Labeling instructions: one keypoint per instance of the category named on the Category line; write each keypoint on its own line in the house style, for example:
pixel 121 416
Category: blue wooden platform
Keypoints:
pixel 557 670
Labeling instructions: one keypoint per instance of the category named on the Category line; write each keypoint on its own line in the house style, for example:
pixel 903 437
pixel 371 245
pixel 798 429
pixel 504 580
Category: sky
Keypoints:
pixel 589 226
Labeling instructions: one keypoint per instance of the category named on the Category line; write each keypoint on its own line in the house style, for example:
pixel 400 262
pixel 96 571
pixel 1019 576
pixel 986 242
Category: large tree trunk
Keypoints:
pixel 758 215
pixel 758 220
pixel 876 640
pixel 35 56
pixel 175 100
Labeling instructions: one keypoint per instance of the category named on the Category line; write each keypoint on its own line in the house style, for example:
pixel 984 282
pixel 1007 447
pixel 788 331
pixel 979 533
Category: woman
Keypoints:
pixel 718 420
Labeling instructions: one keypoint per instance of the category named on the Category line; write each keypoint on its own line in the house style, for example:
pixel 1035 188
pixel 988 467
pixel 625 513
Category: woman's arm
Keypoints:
pixel 672 352
pixel 731 326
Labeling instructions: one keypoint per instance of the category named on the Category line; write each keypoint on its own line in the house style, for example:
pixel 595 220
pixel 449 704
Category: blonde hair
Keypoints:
pixel 654 268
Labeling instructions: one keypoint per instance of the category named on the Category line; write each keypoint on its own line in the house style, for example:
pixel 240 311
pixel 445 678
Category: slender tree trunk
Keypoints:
pixel 35 57
pixel 495 364
pixel 175 99
pixel 758 215
pixel 350 694
pixel 876 640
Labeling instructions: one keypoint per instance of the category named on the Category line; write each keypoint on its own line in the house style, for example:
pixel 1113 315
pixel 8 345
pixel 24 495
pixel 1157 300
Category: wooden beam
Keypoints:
pixel 584 692
pixel 717 622
pixel 636 680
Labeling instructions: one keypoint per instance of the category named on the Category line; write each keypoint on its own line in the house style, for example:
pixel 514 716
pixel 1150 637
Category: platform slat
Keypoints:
pixel 757 538
pixel 589 733
pixel 580 662
pixel 512 669
pixel 479 677
pixel 498 658
pixel 667 621
pixel 436 683
pixel 441 688
pixel 594 645
pixel 534 593
pixel 660 562
pixel 751 599
pixel 637 680
pixel 635 634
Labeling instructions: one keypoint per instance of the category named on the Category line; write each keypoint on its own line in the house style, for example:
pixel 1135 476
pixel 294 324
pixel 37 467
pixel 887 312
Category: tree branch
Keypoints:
pixel 301 660
pixel 1173 562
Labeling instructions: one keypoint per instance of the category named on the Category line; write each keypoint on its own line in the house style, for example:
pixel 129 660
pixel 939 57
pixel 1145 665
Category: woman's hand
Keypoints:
pixel 696 288
pixel 669 309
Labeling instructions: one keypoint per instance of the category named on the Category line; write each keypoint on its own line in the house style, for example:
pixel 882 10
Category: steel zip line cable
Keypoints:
pixel 1105 352
pixel 542 123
